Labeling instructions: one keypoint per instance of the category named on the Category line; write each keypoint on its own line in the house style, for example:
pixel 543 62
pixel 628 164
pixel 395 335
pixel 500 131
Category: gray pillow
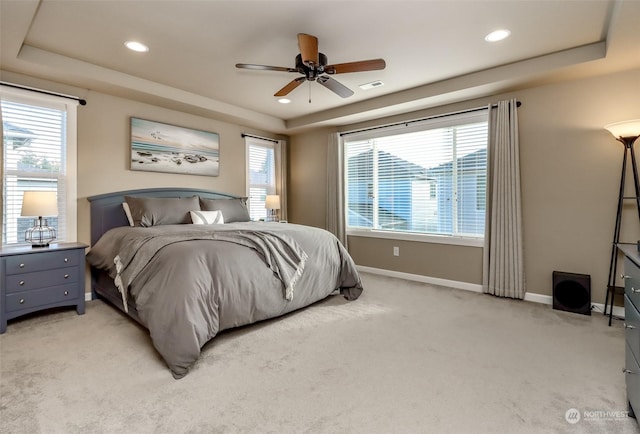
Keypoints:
pixel 154 211
pixel 233 210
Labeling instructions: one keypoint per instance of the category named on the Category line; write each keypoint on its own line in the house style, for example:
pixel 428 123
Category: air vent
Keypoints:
pixel 371 85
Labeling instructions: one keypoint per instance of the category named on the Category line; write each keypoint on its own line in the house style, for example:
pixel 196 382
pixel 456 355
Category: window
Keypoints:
pixel 427 177
pixel 261 162
pixel 38 153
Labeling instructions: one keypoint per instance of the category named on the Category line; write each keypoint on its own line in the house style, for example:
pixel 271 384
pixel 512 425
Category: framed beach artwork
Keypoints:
pixel 158 147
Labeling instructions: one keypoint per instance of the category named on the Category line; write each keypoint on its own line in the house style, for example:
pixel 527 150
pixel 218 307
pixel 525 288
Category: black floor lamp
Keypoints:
pixel 627 133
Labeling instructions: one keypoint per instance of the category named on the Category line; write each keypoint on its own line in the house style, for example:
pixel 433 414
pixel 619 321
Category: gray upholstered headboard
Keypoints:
pixel 107 211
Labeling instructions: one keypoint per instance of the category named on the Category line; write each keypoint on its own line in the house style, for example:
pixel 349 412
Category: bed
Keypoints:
pixel 187 282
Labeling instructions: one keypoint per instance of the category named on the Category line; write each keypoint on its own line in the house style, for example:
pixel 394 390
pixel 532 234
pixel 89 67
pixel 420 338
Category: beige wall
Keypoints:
pixel 570 168
pixel 307 188
pixel 570 173
pixel 104 152
pixel 104 147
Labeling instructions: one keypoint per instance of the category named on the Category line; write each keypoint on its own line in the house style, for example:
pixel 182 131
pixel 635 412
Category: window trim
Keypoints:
pixel 71 150
pixel 417 237
pixel 479 115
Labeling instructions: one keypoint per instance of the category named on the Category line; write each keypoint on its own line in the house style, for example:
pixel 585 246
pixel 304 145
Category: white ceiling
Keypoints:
pixel 434 50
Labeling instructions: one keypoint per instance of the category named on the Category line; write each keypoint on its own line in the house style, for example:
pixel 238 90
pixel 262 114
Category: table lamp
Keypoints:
pixel 38 204
pixel 272 204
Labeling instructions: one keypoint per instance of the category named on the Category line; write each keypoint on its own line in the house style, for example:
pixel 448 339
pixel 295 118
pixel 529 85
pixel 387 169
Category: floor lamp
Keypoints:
pixel 627 133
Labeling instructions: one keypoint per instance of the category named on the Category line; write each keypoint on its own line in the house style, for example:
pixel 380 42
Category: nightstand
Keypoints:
pixel 36 278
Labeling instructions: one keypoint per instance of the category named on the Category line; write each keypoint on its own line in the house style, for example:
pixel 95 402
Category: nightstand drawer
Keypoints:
pixel 632 327
pixel 41 279
pixel 39 297
pixel 41 261
pixel 632 282
pixel 632 378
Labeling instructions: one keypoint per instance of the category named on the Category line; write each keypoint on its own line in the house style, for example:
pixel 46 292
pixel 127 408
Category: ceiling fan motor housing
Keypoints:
pixel 311 73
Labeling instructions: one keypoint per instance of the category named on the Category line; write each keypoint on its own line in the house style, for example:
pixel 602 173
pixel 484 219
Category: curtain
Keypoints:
pixel 1 177
pixel 335 217
pixel 503 270
pixel 281 177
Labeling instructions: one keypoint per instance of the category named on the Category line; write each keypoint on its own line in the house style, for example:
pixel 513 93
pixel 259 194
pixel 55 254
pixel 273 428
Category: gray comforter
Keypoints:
pixel 190 282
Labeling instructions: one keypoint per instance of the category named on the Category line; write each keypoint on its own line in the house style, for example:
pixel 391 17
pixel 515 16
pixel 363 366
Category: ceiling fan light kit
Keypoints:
pixel 313 66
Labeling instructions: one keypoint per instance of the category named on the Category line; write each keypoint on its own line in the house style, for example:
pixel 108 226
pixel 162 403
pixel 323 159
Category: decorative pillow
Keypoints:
pixel 154 211
pixel 207 217
pixel 233 210
pixel 127 211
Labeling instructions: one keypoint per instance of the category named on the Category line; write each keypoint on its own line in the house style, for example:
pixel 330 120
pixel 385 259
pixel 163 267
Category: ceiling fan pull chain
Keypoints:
pixel 309 92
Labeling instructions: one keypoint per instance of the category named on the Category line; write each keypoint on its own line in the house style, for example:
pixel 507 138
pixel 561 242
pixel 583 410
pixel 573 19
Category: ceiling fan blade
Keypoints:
pixel 363 65
pixel 290 86
pixel 335 86
pixel 308 45
pixel 264 67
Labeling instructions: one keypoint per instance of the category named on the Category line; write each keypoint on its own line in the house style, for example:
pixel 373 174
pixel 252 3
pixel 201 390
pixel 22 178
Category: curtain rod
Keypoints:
pixel 518 104
pixel 33 89
pixel 258 137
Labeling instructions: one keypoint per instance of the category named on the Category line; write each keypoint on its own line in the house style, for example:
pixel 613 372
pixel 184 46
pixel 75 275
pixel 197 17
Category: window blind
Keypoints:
pixel 428 178
pixel 34 158
pixel 262 175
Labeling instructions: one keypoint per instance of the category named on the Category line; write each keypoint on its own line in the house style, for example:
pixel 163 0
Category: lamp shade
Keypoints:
pixel 624 129
pixel 272 201
pixel 39 203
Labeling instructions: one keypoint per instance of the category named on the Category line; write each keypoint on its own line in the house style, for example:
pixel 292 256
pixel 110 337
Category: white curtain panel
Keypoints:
pixel 335 220
pixel 503 273
pixel 281 178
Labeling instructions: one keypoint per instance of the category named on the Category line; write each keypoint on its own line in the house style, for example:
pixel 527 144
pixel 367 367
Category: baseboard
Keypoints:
pixel 420 278
pixel 618 311
pixel 87 296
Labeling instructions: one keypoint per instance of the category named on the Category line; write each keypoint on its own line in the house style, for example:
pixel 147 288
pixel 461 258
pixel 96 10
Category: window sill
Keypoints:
pixel 421 238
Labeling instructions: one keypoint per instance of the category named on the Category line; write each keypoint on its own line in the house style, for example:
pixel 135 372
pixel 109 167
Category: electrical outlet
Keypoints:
pixel 396 251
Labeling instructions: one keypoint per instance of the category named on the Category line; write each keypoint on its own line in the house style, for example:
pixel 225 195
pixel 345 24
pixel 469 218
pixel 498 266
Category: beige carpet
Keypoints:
pixel 404 358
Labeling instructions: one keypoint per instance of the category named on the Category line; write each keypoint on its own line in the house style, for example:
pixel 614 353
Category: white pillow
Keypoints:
pixel 207 217
pixel 127 211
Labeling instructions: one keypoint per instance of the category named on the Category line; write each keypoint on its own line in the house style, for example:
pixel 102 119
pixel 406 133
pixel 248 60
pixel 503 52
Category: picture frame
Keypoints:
pixel 160 147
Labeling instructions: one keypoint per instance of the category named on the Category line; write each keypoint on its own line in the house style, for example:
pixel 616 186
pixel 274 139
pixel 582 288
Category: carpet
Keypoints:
pixel 406 357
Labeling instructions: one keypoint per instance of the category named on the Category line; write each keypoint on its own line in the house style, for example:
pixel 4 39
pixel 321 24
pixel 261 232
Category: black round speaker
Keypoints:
pixel 572 292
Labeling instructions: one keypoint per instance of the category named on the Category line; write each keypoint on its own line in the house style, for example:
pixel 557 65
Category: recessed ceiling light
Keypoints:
pixel 497 35
pixel 136 46
pixel 284 101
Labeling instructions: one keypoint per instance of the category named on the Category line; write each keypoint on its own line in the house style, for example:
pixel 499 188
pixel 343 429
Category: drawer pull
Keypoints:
pixel 627 371
pixel 66 276
pixel 66 259
pixel 629 326
pixel 21 283
pixel 22 301
pixel 66 293
pixel 625 276
pixel 635 291
pixel 21 265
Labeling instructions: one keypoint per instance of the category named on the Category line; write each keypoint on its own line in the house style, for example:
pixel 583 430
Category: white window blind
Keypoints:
pixel 261 174
pixel 35 157
pixel 427 178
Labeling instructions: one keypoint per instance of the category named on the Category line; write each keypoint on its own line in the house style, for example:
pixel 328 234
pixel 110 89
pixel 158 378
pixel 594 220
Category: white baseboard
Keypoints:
pixel 618 311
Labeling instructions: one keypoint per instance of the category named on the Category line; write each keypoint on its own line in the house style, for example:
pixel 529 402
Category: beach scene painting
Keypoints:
pixel 158 147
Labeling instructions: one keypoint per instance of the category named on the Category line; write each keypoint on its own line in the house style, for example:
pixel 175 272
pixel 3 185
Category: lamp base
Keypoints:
pixel 40 235
pixel 272 216
pixel 40 245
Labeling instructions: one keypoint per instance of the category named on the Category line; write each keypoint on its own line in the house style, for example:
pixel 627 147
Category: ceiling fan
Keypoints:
pixel 313 66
